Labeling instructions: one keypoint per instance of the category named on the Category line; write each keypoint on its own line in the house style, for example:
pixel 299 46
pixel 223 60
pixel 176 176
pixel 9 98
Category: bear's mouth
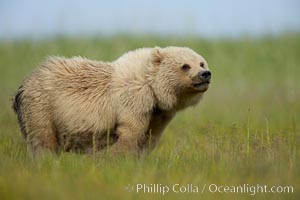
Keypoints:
pixel 201 87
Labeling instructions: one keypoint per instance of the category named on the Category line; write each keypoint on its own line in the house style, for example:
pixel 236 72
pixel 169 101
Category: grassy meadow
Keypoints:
pixel 245 131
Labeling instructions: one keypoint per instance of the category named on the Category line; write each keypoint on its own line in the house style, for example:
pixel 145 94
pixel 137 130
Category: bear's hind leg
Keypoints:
pixel 41 133
pixel 42 139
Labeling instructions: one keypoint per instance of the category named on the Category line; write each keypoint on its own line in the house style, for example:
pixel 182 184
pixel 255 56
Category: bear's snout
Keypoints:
pixel 205 75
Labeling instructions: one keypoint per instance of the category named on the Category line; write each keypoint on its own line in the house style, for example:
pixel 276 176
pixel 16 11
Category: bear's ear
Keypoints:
pixel 157 56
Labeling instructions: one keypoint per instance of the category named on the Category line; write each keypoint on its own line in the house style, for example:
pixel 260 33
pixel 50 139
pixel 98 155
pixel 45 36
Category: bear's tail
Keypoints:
pixel 16 105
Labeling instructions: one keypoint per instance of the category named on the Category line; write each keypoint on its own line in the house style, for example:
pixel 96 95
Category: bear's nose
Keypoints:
pixel 205 75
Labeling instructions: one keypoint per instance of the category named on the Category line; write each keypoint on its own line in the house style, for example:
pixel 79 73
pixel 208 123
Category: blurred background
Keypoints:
pixel 205 18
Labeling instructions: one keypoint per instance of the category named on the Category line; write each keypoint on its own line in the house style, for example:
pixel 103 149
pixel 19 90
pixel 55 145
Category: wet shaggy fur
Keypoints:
pixel 16 106
pixel 80 105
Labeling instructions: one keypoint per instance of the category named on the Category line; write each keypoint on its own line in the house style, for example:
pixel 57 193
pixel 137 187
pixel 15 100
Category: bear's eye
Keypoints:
pixel 185 67
pixel 202 64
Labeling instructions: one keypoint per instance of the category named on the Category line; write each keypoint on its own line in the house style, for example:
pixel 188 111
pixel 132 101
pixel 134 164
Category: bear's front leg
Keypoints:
pixel 130 130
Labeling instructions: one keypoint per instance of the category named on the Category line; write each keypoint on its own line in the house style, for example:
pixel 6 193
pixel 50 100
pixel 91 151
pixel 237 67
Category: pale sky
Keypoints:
pixel 206 18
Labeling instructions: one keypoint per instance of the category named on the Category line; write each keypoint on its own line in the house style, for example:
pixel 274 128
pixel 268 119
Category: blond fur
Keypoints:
pixel 68 102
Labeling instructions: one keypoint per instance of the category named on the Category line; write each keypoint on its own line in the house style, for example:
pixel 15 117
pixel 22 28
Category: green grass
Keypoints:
pixel 245 131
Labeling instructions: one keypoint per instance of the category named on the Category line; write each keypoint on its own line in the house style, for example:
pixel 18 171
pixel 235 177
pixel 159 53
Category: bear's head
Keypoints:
pixel 179 76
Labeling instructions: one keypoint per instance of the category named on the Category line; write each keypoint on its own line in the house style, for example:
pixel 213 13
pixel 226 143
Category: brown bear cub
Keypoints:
pixel 80 105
